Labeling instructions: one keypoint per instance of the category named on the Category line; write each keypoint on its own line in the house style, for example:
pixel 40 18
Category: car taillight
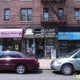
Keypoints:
pixel 35 61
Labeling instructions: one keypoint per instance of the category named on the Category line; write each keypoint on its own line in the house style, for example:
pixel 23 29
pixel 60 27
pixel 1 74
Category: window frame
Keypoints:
pixel 6 15
pixel 61 14
pixel 77 17
pixel 25 16
pixel 9 54
pixel 44 13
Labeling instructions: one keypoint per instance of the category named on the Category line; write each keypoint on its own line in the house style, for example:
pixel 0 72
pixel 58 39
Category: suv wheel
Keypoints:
pixel 20 69
pixel 67 69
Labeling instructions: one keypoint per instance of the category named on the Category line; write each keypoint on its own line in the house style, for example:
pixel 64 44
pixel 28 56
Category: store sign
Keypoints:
pixel 69 36
pixel 10 33
pixel 39 35
pixel 48 31
pixel 49 35
pixel 29 33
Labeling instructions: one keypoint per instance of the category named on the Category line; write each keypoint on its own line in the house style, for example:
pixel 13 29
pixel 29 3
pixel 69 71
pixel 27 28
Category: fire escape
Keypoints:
pixel 51 19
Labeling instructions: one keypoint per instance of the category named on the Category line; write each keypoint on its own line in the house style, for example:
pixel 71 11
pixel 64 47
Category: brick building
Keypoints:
pixel 40 26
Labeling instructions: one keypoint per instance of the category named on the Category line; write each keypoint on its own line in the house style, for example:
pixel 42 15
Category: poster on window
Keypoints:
pixel 48 48
pixel 53 53
pixel 16 47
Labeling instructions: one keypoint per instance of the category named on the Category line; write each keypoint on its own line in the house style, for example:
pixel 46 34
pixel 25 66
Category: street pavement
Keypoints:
pixel 44 63
pixel 35 75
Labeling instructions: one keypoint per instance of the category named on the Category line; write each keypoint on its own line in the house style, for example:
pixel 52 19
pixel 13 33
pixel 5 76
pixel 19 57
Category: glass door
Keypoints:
pixel 63 48
pixel 40 48
pixel 30 46
pixel 49 47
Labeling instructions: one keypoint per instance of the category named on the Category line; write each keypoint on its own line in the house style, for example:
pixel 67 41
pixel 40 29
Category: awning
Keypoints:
pixel 11 33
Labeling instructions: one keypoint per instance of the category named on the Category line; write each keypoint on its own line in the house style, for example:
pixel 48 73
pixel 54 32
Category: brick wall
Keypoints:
pixel 37 6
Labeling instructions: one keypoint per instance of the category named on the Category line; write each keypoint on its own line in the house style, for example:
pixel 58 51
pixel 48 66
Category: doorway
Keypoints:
pixel 40 48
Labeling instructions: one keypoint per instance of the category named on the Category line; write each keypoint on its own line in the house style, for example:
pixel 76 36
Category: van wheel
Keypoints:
pixel 20 69
pixel 67 69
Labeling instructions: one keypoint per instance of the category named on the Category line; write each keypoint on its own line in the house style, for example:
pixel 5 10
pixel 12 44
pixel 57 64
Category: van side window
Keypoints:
pixel 78 55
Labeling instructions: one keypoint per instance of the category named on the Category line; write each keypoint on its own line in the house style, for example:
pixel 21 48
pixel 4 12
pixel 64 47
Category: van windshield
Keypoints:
pixel 72 52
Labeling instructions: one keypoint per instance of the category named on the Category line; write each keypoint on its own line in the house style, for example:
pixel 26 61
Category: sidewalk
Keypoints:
pixel 44 63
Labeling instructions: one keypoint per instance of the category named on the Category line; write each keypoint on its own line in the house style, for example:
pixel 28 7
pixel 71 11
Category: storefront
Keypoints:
pixel 11 38
pixel 40 41
pixel 68 41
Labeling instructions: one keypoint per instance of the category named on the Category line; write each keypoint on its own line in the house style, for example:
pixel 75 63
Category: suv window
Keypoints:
pixel 12 55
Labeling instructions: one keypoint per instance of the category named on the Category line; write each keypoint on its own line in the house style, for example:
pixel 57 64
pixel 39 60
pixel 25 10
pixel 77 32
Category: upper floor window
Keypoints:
pixel 60 13
pixel 26 14
pixel 46 13
pixel 6 14
pixel 77 14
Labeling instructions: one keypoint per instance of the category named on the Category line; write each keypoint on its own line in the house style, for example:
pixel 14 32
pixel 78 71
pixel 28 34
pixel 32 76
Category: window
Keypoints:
pixel 77 55
pixel 1 54
pixel 26 14
pixel 12 55
pixel 26 0
pixel 77 14
pixel 60 13
pixel 46 14
pixel 6 0
pixel 6 14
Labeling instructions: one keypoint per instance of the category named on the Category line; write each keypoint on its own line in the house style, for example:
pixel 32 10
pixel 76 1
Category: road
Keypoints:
pixel 35 75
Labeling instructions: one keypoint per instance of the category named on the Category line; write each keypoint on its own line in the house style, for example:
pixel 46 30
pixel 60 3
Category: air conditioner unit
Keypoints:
pixel 78 18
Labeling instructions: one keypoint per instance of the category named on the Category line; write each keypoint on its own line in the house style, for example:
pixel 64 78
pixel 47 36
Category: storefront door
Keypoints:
pixel 40 48
pixel 49 48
